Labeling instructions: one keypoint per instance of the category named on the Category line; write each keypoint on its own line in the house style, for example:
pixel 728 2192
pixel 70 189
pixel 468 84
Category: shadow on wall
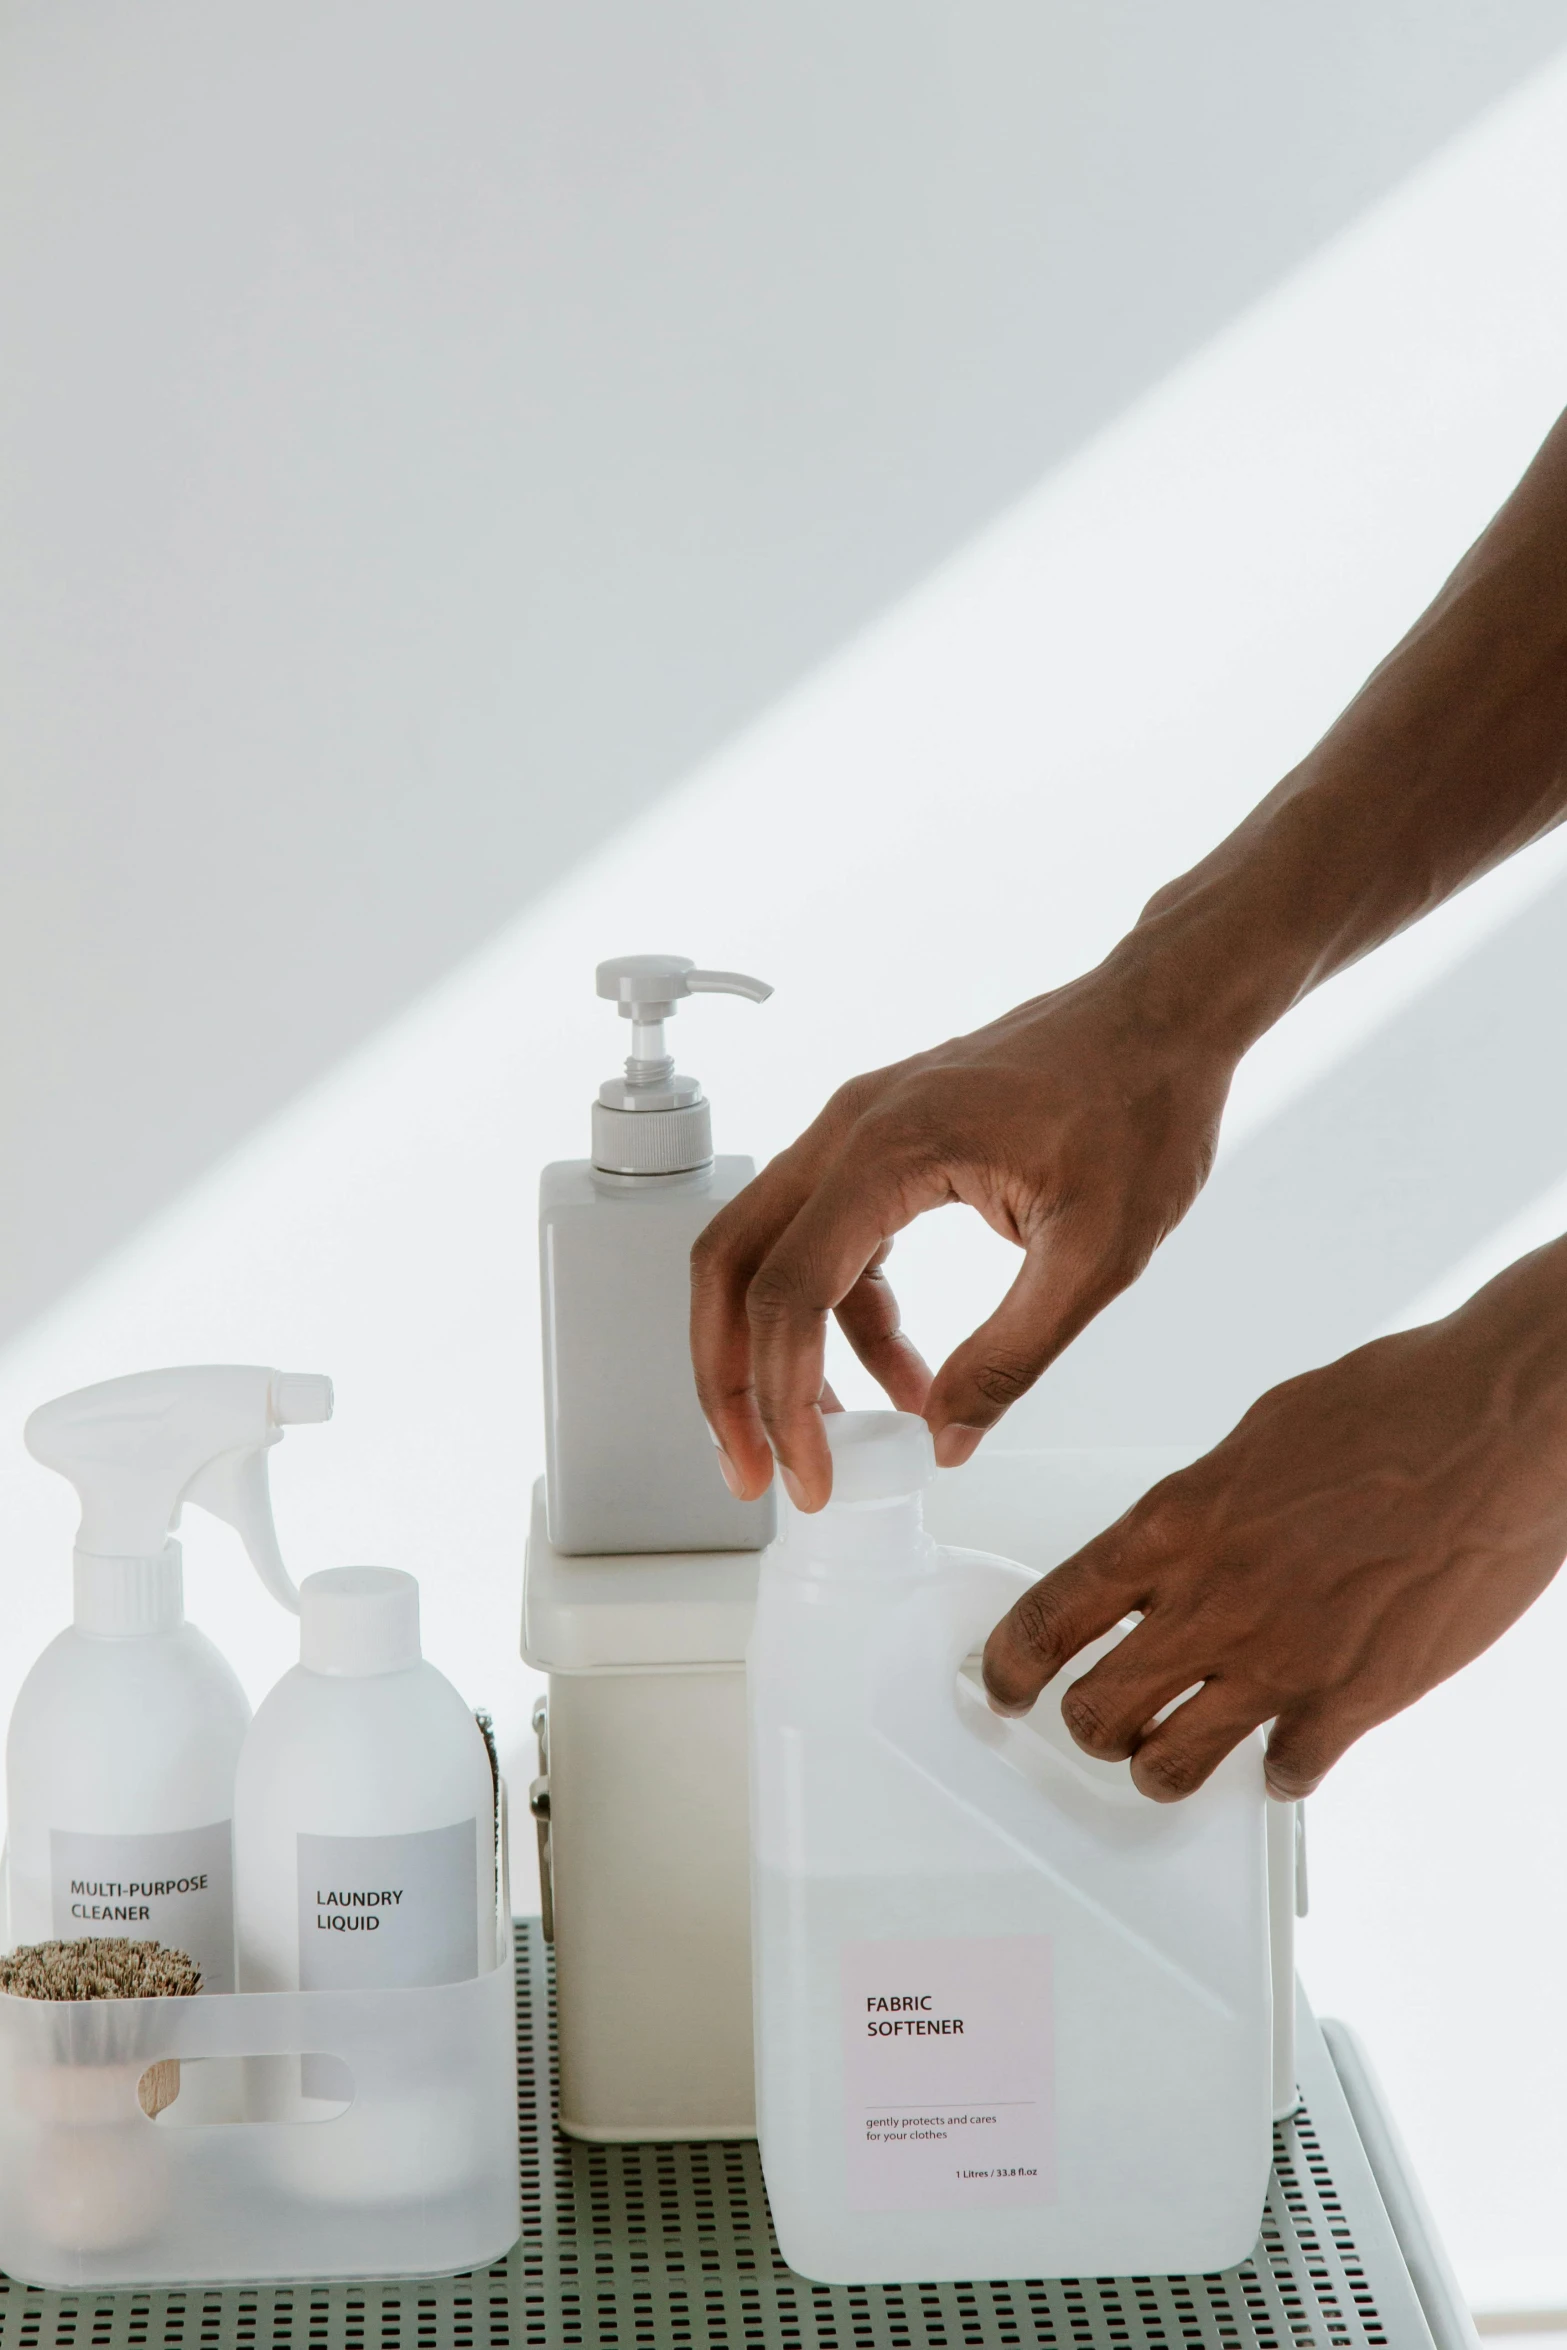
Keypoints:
pixel 530 397
pixel 1339 1212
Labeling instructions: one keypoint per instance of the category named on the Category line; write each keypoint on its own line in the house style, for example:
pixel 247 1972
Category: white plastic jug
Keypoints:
pixel 1013 2019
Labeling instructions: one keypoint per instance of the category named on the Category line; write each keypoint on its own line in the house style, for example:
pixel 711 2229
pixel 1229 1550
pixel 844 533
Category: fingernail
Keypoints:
pixel 1008 1713
pixel 956 1444
pixel 731 1473
pixel 792 1486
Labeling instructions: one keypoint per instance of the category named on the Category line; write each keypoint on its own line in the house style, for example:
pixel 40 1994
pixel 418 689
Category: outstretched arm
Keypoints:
pixel 1083 1124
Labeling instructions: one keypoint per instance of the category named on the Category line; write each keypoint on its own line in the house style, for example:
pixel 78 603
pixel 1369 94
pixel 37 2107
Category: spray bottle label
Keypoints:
pixel 388 1913
pixel 947 2073
pixel 176 1888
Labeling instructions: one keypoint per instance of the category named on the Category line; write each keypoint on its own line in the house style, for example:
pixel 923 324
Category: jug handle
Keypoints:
pixel 919 1667
pixel 980 1592
pixel 960 1608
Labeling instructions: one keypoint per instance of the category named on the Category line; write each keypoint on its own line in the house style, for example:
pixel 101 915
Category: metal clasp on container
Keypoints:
pixel 539 1805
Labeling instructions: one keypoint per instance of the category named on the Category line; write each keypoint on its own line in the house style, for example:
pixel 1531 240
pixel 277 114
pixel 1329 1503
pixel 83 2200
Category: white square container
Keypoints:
pixel 415 2172
pixel 648 1839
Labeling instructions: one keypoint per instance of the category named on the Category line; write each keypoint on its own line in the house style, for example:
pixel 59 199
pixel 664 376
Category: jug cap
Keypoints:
pixel 879 1456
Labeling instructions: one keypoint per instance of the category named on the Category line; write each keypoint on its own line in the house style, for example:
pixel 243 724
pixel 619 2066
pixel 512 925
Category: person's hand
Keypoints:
pixel 1366 1530
pixel 1081 1126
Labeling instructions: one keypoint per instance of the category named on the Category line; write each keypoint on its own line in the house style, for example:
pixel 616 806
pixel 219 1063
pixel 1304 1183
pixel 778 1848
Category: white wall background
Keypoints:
pixel 426 430
pixel 982 786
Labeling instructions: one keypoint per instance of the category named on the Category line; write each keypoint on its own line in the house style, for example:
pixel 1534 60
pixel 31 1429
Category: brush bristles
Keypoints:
pixel 111 1969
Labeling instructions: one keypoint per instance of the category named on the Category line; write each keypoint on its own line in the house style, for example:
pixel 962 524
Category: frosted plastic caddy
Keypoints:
pixel 417 2175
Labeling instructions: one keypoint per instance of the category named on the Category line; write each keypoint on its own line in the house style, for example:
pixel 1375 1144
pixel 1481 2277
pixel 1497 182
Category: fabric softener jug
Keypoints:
pixel 1013 2019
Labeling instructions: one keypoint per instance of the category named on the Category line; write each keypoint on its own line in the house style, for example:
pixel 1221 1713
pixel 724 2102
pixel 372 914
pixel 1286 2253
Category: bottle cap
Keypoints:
pixel 356 1621
pixel 878 1456
pixel 120 1599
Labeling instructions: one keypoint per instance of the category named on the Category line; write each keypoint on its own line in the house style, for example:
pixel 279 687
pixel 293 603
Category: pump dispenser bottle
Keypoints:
pixel 125 1735
pixel 630 1464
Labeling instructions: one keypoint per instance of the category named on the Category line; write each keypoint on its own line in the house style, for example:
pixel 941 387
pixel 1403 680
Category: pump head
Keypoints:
pixel 652 1121
pixel 137 1449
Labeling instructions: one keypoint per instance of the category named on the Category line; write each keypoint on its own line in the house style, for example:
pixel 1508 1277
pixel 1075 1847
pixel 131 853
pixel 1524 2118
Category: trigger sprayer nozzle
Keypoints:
pixel 138 1449
pixel 300 1399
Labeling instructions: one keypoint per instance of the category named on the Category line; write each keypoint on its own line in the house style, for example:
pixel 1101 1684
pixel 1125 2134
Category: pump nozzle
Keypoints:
pixel 649 990
pixel 648 987
pixel 137 1449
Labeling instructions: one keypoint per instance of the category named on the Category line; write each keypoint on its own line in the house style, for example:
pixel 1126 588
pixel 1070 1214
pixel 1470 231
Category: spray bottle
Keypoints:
pixel 125 1735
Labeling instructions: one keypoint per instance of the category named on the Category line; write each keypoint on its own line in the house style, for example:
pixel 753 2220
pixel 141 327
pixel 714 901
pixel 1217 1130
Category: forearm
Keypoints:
pixel 1509 1343
pixel 1452 756
pixel 1082 1125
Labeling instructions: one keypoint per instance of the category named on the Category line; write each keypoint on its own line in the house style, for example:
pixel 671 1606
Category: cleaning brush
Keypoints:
pixel 98 1970
pixel 104 1970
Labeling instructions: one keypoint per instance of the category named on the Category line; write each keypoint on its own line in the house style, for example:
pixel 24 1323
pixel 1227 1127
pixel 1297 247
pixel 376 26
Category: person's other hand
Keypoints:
pixel 1081 1126
pixel 1366 1530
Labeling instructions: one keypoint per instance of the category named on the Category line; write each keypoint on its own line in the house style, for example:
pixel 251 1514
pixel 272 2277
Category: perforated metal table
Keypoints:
pixel 671 2248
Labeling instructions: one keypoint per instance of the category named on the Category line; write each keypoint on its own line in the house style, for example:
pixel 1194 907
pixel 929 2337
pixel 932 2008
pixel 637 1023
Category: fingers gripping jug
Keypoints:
pixel 1013 2019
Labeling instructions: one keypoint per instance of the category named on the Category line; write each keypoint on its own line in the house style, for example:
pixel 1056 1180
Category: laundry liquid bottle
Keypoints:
pixel 630 1465
pixel 1012 2018
pixel 124 1738
pixel 365 1860
pixel 364 1809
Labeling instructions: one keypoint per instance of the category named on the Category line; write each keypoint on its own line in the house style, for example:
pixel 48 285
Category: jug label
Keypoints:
pixel 947 2073
pixel 176 1888
pixel 387 1913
